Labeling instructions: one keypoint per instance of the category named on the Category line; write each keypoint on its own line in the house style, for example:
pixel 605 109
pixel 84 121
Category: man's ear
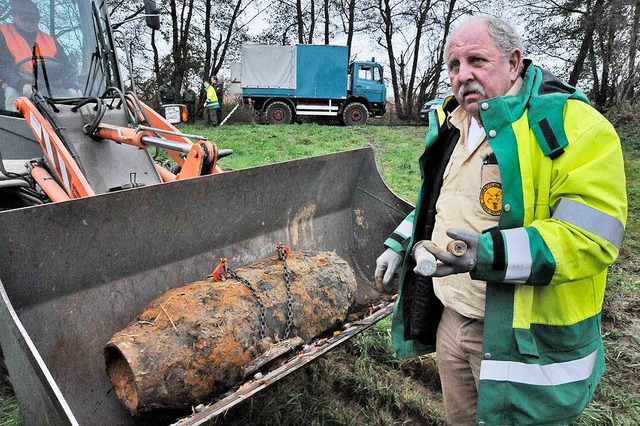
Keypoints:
pixel 515 62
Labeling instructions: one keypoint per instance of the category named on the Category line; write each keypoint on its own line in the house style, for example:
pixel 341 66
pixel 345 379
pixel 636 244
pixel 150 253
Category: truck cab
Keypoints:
pixel 366 81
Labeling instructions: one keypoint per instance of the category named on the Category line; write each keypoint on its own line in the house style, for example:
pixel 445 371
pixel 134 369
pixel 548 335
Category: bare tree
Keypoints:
pixel 347 12
pixel 419 16
pixel 383 16
pixel 593 41
pixel 412 33
pixel 632 85
pixel 325 9
pixel 282 28
pixel 299 21
pixel 285 15
pixel 156 57
pixel 197 38
pixel 181 26
pixel 312 24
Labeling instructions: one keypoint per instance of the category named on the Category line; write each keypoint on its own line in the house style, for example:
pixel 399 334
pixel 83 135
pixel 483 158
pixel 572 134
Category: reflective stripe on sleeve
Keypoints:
pixel 518 255
pixel 539 375
pixel 590 219
pixel 405 228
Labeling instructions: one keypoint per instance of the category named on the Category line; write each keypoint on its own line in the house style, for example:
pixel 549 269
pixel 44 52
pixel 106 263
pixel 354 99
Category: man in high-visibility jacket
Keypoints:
pixel 211 103
pixel 19 42
pixel 521 168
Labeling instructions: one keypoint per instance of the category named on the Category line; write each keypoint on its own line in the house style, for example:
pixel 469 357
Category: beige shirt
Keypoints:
pixel 470 198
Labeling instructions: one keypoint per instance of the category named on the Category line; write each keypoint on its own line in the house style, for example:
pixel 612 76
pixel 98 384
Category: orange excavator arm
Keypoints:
pixel 201 157
pixel 158 122
pixel 194 159
pixel 57 152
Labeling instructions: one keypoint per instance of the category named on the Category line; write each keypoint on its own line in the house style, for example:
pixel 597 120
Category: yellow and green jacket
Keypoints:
pixel 211 102
pixel 561 225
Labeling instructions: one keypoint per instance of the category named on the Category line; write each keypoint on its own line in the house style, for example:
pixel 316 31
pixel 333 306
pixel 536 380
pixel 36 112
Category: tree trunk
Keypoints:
pixel 156 61
pixel 223 46
pixel 350 25
pixel 440 62
pixel 207 53
pixel 384 7
pixel 180 41
pixel 425 7
pixel 628 87
pixel 587 42
pixel 326 21
pixel 300 21
pixel 312 24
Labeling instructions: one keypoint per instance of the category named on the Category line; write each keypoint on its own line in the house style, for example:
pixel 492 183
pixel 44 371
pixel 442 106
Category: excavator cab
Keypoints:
pixel 72 57
pixel 56 48
pixel 63 49
pixel 68 127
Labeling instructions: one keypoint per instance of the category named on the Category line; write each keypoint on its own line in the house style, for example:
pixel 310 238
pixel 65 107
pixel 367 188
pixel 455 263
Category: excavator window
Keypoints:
pixel 55 47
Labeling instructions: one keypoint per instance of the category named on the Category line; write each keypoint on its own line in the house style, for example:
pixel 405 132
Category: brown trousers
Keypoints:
pixel 458 356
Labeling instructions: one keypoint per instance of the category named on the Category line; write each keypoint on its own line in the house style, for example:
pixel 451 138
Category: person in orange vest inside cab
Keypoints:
pixel 26 53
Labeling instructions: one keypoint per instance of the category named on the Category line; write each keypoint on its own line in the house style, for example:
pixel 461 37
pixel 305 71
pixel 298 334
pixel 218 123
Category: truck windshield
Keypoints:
pixel 62 48
pixel 368 72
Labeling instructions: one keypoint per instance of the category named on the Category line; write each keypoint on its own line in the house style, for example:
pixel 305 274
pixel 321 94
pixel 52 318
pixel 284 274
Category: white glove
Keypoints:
pixel 27 90
pixel 426 263
pixel 386 265
pixel 76 93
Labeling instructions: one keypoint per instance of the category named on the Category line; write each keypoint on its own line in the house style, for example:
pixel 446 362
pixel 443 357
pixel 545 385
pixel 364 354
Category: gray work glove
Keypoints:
pixel 386 265
pixel 451 264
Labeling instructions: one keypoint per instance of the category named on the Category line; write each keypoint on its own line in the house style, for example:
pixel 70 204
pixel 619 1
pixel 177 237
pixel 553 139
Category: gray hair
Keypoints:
pixel 505 36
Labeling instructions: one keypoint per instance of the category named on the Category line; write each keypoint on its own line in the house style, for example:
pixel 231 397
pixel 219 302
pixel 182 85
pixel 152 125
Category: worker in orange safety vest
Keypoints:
pixel 21 44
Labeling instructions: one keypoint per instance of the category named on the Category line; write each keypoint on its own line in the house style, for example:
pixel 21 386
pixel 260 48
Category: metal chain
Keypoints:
pixel 263 321
pixel 287 281
pixel 282 252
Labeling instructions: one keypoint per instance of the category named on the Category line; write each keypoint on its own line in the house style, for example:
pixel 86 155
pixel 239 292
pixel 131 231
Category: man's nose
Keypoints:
pixel 465 72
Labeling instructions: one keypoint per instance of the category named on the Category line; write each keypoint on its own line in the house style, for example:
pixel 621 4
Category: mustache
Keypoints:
pixel 471 87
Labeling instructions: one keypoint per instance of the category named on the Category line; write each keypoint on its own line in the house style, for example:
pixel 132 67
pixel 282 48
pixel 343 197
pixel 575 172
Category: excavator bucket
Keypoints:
pixel 75 272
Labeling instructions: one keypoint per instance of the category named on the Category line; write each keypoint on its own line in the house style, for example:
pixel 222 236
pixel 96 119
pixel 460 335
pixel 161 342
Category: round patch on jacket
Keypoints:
pixel 491 198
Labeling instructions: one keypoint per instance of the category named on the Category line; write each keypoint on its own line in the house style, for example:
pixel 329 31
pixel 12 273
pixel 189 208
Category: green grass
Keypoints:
pixel 360 383
pixel 9 414
pixel 397 148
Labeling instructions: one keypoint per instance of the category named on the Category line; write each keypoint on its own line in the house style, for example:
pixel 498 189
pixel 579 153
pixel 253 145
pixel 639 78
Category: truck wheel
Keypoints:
pixel 355 114
pixel 278 113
